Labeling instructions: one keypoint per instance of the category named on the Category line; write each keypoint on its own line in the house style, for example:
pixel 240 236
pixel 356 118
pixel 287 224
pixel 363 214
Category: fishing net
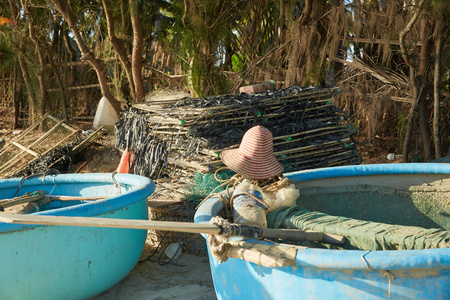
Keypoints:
pixel 61 159
pixel 201 185
pixel 191 243
pixel 149 152
pixel 309 131
pixel 363 235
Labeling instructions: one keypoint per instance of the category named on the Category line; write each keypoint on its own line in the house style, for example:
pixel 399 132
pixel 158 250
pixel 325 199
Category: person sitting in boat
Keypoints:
pixel 255 162
pixel 254 158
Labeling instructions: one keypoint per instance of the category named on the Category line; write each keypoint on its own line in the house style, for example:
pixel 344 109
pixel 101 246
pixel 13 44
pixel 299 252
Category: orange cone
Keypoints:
pixel 125 162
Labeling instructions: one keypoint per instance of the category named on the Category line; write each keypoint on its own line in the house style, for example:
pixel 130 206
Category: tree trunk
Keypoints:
pixel 60 83
pixel 137 50
pixel 23 67
pixel 64 8
pixel 294 73
pixel 412 80
pixel 119 47
pixel 72 57
pixel 412 113
pixel 16 97
pixel 437 91
pixel 423 73
pixel 126 26
pixel 45 101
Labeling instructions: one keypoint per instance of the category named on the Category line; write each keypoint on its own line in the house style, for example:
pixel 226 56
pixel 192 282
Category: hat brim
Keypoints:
pixel 251 167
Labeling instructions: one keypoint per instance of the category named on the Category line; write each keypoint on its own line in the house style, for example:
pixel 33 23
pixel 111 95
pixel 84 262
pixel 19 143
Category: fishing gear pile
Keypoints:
pixel 309 131
pixel 62 158
pixel 149 151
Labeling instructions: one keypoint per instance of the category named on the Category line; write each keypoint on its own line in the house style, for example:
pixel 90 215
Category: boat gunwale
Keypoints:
pixel 355 259
pixel 142 188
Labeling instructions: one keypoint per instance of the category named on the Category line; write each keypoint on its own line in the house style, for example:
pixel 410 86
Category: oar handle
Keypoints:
pixel 284 234
pixel 248 231
pixel 111 223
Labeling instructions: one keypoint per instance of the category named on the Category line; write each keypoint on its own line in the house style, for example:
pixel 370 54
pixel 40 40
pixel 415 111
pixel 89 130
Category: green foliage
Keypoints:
pixel 400 127
pixel 315 75
pixel 237 63
pixel 8 54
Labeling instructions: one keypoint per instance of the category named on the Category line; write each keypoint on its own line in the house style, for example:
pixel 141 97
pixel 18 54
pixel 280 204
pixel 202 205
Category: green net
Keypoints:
pixel 363 235
pixel 202 185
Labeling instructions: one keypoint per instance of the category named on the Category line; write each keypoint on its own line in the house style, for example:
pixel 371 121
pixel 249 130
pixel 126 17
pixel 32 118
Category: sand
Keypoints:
pixel 188 278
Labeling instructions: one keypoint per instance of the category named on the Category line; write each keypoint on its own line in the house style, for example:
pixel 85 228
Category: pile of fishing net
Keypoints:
pixel 201 185
pixel 188 134
pixel 360 234
pixel 61 159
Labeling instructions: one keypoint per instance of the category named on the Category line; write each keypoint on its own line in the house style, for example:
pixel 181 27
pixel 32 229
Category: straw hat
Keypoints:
pixel 254 158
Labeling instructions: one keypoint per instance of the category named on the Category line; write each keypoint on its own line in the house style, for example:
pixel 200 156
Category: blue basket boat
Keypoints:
pixel 416 194
pixel 67 262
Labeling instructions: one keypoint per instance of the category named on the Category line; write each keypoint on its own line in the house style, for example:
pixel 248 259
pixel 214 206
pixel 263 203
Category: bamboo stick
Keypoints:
pixel 246 107
pixel 311 153
pixel 13 161
pixel 250 117
pixel 290 135
pixel 24 133
pixel 308 137
pixel 90 139
pixel 74 198
pixel 31 127
pixel 269 101
pixel 20 200
pixel 235 230
pixel 284 152
pixel 309 147
pixel 46 152
pixel 22 147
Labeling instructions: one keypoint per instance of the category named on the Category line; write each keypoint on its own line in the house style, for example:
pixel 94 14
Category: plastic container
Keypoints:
pixel 393 156
pixel 173 251
pixel 105 115
pixel 284 197
pixel 247 210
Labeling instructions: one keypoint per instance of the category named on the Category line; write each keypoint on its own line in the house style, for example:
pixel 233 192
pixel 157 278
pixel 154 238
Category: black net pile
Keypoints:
pixel 61 159
pixel 309 131
pixel 149 151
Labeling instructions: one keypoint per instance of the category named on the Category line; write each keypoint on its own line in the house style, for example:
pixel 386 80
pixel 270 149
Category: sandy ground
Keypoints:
pixel 188 277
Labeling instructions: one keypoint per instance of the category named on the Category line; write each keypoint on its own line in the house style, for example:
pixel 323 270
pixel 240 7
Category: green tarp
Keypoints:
pixel 364 235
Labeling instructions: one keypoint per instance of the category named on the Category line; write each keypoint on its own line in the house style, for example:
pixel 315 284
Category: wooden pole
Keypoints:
pixel 249 231
pixel 111 223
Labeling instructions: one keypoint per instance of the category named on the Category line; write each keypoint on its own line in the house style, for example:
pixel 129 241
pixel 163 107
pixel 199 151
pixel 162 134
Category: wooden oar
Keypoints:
pixel 20 200
pixel 249 231
pixel 41 196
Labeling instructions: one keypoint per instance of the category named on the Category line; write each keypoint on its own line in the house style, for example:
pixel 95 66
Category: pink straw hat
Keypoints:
pixel 254 158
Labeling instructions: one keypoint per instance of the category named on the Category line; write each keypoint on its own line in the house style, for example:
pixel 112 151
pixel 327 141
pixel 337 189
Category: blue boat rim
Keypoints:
pixel 141 185
pixel 356 259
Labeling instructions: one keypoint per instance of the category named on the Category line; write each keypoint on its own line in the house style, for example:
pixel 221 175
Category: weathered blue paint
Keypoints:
pixel 341 274
pixel 68 262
